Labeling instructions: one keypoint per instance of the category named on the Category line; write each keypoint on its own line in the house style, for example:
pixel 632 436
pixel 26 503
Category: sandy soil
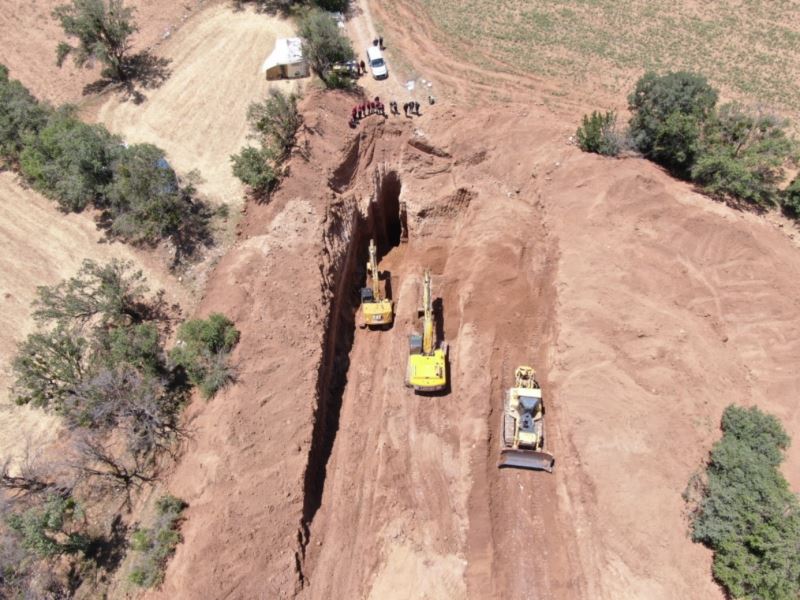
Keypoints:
pixel 30 36
pixel 41 246
pixel 199 115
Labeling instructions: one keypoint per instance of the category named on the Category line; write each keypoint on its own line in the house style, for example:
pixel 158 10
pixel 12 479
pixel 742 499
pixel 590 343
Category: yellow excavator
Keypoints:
pixel 376 310
pixel 427 363
pixel 523 425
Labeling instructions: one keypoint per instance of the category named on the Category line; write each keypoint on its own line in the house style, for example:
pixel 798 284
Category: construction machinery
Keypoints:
pixel 427 363
pixel 376 310
pixel 523 425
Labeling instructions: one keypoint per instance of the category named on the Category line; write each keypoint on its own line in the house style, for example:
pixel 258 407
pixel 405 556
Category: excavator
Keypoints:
pixel 376 311
pixel 522 443
pixel 427 363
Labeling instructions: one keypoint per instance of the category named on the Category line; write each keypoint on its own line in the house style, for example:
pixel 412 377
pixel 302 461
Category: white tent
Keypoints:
pixel 286 60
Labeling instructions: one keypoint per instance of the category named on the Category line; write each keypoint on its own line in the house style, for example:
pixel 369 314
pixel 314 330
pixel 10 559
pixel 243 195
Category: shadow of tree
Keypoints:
pixel 142 71
pixel 108 551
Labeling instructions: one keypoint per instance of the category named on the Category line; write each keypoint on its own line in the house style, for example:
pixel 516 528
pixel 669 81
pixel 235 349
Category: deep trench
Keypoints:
pixel 385 221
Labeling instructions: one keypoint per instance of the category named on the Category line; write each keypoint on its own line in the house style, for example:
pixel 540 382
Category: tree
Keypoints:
pixel 743 155
pixel 668 113
pixel 254 167
pixel 102 29
pixel 598 134
pixel 202 351
pixel 145 201
pixel 21 116
pixel 275 121
pixel 112 293
pixel 48 368
pixel 52 528
pixel 748 515
pixel 323 43
pixel 69 160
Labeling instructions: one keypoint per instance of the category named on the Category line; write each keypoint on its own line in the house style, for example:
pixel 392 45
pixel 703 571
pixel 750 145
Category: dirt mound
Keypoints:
pixel 320 475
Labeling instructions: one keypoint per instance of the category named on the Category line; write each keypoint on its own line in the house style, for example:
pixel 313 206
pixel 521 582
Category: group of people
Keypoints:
pixel 376 107
pixel 371 107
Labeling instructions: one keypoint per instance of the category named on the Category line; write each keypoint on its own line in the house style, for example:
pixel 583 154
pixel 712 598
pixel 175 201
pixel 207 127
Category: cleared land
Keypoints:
pixel 749 49
pixel 199 115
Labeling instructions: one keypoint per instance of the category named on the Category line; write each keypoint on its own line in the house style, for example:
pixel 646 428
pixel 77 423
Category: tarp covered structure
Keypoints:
pixel 286 60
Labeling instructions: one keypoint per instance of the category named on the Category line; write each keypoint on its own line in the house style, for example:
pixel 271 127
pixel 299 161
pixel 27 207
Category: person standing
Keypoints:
pixel 363 67
pixel 380 44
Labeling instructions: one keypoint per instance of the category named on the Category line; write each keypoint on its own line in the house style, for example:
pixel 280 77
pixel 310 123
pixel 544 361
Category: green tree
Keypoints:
pixel 668 114
pixel 790 199
pixel 21 116
pixel 255 167
pixel 69 160
pixel 743 155
pixel 48 368
pixel 51 529
pixel 155 545
pixel 275 121
pixel 102 30
pixel 114 293
pixel 598 134
pixel 749 516
pixel 202 350
pixel 323 42
pixel 146 203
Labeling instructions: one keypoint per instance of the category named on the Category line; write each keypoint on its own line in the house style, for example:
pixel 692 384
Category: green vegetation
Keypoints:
pixel 102 29
pixel 274 123
pixel 202 350
pixel 324 44
pixel 751 48
pixel 731 152
pixel 156 544
pixel 747 513
pixel 78 165
pixel 51 529
pixel 598 134
pixel 21 116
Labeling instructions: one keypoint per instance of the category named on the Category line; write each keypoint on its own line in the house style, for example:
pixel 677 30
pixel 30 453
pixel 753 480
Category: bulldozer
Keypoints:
pixel 376 310
pixel 522 442
pixel 427 363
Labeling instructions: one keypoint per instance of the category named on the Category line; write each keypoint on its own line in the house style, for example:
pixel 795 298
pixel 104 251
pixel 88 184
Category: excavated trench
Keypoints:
pixel 385 222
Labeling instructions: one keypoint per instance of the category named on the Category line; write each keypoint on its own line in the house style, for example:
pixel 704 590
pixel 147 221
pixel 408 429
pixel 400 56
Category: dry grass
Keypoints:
pixel 749 48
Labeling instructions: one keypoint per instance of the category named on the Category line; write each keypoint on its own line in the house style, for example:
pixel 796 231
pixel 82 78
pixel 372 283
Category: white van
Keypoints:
pixel 376 63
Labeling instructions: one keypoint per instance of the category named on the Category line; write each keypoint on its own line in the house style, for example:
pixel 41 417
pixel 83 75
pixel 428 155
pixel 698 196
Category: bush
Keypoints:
pixel 254 167
pixel 69 161
pixel 668 113
pixel 598 134
pixel 323 42
pixel 202 350
pixel 158 543
pixel 275 121
pixel 743 155
pixel 749 516
pixel 50 529
pixel 790 199
pixel 21 116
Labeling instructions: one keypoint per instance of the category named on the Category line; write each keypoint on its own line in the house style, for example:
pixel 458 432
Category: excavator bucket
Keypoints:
pixel 526 459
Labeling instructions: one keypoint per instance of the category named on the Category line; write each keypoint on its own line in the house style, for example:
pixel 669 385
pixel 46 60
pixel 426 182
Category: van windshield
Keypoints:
pixel 378 62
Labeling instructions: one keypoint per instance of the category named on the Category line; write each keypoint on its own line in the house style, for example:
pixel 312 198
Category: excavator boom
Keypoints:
pixel 427 362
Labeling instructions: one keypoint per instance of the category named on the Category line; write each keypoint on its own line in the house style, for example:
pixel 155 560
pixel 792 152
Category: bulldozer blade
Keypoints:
pixel 526 459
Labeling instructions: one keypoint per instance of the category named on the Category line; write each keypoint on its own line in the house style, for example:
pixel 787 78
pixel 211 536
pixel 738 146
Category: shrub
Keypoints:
pixel 202 350
pixel 157 544
pixel 21 116
pixel 668 112
pixel 50 529
pixel 749 516
pixel 275 121
pixel 598 134
pixel 69 160
pixel 743 155
pixel 254 167
pixel 323 42
pixel 790 199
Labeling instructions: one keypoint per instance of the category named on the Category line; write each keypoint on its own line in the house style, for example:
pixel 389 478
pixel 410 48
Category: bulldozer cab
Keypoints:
pixel 367 295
